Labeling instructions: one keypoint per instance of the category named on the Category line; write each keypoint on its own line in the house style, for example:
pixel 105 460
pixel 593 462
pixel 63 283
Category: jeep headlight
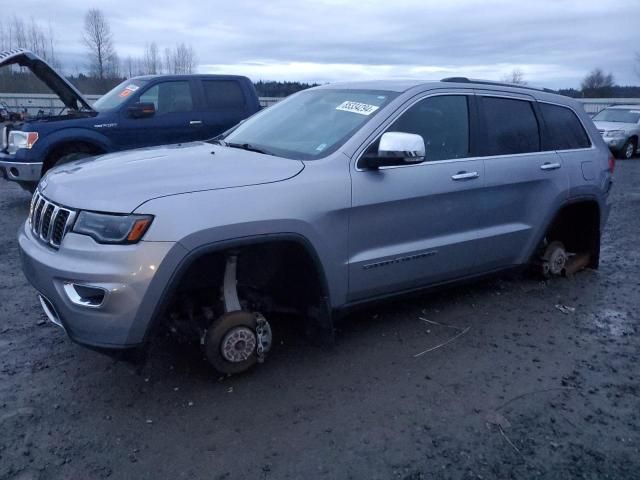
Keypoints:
pixel 614 133
pixel 112 228
pixel 18 140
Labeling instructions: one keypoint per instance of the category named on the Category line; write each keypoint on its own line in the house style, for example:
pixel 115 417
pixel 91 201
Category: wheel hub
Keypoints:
pixel 630 150
pixel 238 344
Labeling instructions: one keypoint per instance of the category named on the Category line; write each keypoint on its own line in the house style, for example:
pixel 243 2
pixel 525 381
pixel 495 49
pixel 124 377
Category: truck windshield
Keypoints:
pixel 618 115
pixel 118 95
pixel 309 124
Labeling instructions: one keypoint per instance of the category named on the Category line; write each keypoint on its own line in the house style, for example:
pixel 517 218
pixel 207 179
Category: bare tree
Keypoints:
pixel 597 83
pixel 18 34
pixel 183 59
pixel 516 77
pixel 152 61
pixel 168 60
pixel 99 41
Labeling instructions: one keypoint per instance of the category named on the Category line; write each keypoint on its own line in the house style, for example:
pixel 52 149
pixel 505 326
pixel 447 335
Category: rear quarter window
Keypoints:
pixel 223 94
pixel 564 130
pixel 511 126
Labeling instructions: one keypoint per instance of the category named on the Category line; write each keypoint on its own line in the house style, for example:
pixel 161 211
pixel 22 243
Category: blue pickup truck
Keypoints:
pixel 140 112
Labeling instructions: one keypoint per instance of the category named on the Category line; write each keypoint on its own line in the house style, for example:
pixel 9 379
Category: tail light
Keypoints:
pixel 612 162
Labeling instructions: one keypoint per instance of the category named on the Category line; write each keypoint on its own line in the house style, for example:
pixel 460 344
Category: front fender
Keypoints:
pixel 71 135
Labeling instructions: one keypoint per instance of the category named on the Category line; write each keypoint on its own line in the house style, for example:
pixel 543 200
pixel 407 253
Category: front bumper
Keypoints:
pixel 614 143
pixel 19 171
pixel 124 272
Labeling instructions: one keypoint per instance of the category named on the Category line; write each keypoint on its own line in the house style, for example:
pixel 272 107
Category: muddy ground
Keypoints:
pixel 527 392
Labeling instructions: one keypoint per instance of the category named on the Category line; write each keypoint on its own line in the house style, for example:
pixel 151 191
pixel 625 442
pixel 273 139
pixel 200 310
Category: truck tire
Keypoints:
pixel 70 157
pixel 68 154
pixel 28 186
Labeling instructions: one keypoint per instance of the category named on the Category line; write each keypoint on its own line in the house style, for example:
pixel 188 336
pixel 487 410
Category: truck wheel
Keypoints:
pixel 628 150
pixel 231 343
pixel 28 186
pixel 70 157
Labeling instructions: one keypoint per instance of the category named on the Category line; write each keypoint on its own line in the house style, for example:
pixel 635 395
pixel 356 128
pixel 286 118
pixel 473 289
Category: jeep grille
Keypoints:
pixel 49 222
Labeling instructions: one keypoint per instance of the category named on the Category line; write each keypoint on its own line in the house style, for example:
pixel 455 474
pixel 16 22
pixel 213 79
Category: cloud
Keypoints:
pixel 555 43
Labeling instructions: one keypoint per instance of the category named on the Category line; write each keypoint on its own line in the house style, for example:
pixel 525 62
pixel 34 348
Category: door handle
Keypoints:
pixel 195 122
pixel 465 176
pixel 550 166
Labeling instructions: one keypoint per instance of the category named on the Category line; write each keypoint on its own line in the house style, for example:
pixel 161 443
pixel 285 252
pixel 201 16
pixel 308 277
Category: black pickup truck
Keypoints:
pixel 142 111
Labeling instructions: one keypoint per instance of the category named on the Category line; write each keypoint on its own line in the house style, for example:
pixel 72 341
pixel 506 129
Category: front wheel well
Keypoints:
pixel 273 277
pixel 59 150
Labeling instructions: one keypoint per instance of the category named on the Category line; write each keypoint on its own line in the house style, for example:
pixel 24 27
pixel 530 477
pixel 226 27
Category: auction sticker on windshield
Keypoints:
pixel 357 107
pixel 128 90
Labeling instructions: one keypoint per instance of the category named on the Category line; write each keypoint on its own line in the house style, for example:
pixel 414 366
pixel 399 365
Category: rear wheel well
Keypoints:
pixel 274 277
pixel 60 150
pixel 577 226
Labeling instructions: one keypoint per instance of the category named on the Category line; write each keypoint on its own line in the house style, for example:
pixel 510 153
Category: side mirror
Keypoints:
pixel 396 148
pixel 141 110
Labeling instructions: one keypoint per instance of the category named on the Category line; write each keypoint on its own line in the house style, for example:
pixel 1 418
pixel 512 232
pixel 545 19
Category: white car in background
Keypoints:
pixel 619 126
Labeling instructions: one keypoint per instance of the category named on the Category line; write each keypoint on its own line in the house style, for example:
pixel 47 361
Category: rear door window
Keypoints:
pixel 223 94
pixel 511 126
pixel 564 130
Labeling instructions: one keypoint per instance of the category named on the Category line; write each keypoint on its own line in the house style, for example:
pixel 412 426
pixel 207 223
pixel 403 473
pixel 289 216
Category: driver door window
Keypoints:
pixel 169 97
pixel 442 122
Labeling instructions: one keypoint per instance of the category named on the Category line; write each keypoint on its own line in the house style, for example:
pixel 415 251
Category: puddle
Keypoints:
pixel 616 322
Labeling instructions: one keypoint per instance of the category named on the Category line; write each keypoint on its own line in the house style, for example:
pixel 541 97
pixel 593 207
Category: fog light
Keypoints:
pixel 85 295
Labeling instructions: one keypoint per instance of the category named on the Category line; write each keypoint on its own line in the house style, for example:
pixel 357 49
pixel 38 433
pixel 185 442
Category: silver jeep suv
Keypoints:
pixel 334 197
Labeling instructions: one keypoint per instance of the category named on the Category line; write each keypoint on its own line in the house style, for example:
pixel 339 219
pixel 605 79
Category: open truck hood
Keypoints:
pixel 70 96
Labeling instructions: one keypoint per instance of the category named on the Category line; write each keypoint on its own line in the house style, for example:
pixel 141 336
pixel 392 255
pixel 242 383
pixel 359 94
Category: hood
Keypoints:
pixel 606 126
pixel 70 97
pixel 120 182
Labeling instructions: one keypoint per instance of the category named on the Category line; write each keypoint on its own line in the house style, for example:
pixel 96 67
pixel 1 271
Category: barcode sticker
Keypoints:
pixel 357 107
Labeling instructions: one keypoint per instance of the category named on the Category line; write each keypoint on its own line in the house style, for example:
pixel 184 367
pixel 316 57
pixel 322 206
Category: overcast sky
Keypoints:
pixel 555 43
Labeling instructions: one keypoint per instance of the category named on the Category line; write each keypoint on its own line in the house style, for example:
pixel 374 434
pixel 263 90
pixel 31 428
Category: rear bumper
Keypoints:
pixel 124 272
pixel 19 171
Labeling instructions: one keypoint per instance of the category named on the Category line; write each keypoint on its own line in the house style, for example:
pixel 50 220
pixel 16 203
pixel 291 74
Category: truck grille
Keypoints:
pixel 49 222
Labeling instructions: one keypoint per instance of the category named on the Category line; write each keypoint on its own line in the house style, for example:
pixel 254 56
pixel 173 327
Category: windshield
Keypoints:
pixel 118 95
pixel 310 124
pixel 618 115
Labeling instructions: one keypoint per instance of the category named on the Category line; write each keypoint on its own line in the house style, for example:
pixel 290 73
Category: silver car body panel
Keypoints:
pixel 373 233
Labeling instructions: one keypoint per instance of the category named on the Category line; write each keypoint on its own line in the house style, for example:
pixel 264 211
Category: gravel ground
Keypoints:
pixel 527 392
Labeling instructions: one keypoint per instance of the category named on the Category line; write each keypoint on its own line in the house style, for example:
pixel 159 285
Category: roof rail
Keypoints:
pixel 491 82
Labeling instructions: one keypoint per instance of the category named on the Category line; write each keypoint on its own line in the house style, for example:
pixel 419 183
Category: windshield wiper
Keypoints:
pixel 244 146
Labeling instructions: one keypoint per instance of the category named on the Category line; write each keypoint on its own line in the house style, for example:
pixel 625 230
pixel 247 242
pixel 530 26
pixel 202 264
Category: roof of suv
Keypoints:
pixel 626 107
pixel 404 85
pixel 401 86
